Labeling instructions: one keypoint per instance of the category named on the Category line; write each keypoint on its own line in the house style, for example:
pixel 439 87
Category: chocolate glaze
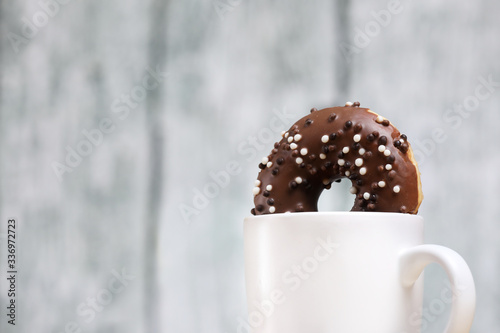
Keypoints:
pixel 299 169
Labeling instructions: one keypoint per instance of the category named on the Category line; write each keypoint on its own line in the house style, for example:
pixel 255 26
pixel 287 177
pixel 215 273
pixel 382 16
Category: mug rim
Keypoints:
pixel 292 215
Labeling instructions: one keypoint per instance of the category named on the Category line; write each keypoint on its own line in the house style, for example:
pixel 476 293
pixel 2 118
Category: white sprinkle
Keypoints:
pixel 381 148
pixel 387 152
pixel 357 138
pixel 353 190
pixel 362 151
pixel 297 137
pixel 402 141
pixel 265 160
pixel 298 180
pixel 272 209
pixel 303 151
pixel 256 191
pixel 358 162
pixel 326 182
pixel 269 164
pixel 381 183
pixel 299 160
pixel 388 167
pixel 324 138
pixel 341 162
pixel 293 145
pixel 269 187
pixel 345 150
pixel 322 156
pixel 366 195
pixel 348 173
pixel 286 134
pixel 348 103
pixel 396 189
pixel 290 139
pixel 362 171
pixel 257 182
pixel 379 119
pixel 282 133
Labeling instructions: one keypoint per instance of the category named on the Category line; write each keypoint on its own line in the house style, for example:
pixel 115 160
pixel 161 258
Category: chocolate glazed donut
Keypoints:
pixel 335 143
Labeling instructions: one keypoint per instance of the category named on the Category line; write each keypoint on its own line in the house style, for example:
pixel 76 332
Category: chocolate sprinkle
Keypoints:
pixel 382 140
pixel 332 117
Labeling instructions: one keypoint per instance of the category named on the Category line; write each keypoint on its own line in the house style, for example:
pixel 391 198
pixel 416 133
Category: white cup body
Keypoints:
pixel 330 272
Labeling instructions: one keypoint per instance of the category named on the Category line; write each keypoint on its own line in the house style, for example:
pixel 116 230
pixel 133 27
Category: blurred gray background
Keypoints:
pixel 116 116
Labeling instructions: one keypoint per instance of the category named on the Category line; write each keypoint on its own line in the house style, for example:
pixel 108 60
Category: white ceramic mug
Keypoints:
pixel 345 272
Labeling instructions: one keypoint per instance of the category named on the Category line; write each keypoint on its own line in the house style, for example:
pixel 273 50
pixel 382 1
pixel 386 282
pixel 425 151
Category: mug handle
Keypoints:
pixel 413 262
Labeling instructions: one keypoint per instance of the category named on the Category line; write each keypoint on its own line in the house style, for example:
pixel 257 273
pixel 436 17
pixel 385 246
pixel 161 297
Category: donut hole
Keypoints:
pixel 337 198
